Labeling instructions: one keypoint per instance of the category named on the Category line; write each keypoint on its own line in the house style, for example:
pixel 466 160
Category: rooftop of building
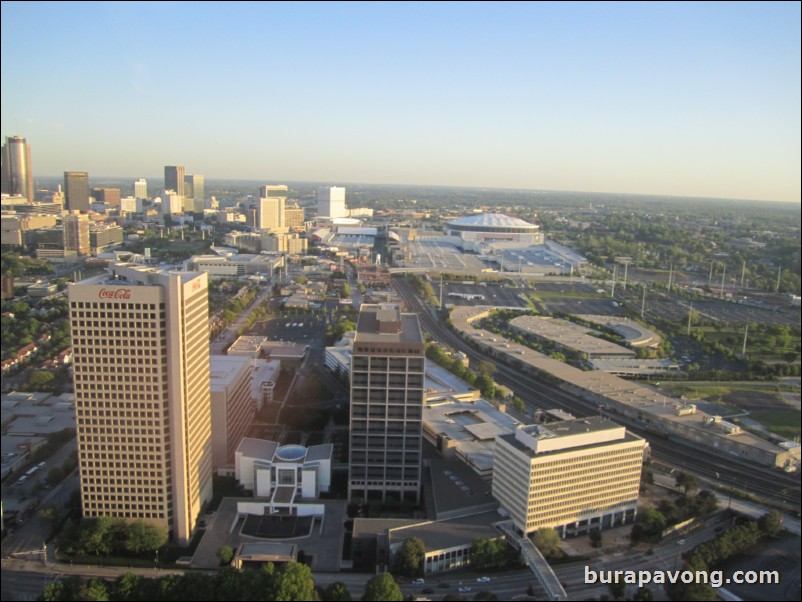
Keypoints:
pixel 224 369
pixel 569 335
pixel 472 426
pixel 451 533
pixel 564 436
pixel 257 448
pixel 491 220
pixel 384 323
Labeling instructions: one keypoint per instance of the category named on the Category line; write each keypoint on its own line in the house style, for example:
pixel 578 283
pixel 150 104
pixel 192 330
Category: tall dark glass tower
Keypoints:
pixel 174 178
pixel 17 176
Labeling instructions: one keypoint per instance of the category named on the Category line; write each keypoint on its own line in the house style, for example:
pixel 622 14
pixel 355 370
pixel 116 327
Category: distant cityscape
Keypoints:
pixel 473 390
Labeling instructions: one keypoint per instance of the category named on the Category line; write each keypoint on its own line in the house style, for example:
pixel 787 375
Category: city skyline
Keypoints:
pixel 698 100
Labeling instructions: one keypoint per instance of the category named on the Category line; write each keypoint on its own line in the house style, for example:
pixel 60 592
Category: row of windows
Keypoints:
pixel 117 306
pixel 599 457
pixel 585 468
pixel 387 350
pixel 610 487
pixel 606 476
pixel 587 504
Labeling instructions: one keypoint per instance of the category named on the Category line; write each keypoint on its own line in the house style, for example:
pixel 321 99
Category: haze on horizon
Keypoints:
pixel 695 99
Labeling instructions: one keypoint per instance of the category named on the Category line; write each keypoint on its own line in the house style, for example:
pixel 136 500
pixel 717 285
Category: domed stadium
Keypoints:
pixel 489 228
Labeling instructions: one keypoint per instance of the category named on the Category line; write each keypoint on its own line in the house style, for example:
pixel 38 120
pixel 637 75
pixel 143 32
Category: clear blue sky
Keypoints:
pixel 696 99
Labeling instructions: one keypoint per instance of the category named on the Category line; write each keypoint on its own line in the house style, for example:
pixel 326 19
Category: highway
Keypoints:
pixel 727 471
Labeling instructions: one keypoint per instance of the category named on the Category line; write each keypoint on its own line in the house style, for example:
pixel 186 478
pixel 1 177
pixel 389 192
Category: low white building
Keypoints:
pixel 283 473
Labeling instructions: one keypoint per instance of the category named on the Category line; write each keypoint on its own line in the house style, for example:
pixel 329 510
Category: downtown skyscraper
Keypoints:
pixel 174 178
pixel 17 175
pixel 142 395
pixel 387 391
pixel 76 191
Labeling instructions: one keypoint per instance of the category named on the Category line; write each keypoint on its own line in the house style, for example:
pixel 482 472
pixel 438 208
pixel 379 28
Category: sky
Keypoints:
pixel 686 99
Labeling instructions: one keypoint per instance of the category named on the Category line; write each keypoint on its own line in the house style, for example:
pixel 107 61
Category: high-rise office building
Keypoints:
pixel 194 194
pixel 574 475
pixel 140 337
pixel 294 217
pixel 174 178
pixel 141 189
pixel 76 232
pixel 17 176
pixel 107 196
pixel 270 213
pixel 76 191
pixel 331 202
pixel 387 391
pixel 269 191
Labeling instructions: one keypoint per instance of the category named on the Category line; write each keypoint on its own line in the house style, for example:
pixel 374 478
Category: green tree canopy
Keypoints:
pixel 382 587
pixel 337 592
pixel 688 482
pixel 547 541
pixel 409 560
pixel 141 536
pixel 294 581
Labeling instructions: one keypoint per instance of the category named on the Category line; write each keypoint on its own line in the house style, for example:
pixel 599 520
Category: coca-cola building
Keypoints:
pixel 140 336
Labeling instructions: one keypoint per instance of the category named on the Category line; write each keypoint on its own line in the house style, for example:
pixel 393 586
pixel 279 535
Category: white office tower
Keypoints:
pixel 331 202
pixel 141 189
pixel 142 395
pixel 574 475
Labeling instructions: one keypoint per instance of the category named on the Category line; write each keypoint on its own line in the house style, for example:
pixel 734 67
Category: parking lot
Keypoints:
pixel 301 328
pixel 492 294
pixel 432 255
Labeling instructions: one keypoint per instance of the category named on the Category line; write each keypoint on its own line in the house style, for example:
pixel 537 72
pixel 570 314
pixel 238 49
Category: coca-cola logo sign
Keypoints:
pixel 115 293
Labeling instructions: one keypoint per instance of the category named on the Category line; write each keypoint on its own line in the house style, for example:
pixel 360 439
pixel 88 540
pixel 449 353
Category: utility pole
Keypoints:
pixel 779 273
pixel 690 313
pixel 743 272
pixel 643 301
pixel 710 277
pixel 722 280
pixel 670 276
pixel 615 273
pixel 626 269
pixel 746 330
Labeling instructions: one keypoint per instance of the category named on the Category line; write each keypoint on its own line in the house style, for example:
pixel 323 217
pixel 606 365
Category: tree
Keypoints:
pixel 650 524
pixel 547 541
pixel 225 554
pixel 486 368
pixel 486 385
pixel 644 594
pixel 337 591
pixel 491 553
pixel 294 581
pixel 39 380
pixel 94 589
pixel 48 513
pixel 127 587
pixel 409 561
pixel 688 482
pixel 382 587
pixel 595 538
pixel 770 523
pixel 97 535
pixel 618 589
pixel 141 537
pixel 485 595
